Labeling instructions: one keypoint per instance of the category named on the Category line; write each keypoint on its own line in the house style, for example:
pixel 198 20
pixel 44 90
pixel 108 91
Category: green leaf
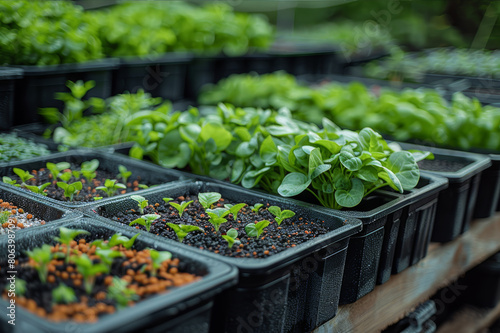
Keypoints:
pixel 349 161
pixel 208 198
pixel 252 178
pixel 403 164
pixel 218 133
pixel 293 184
pixel 237 171
pixel 367 173
pixel 351 197
pixel 331 146
pixel 190 133
pixel 256 229
pixel 268 151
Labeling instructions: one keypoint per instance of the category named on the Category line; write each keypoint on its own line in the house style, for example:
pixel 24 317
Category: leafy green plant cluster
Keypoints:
pixel 14 148
pixel 46 33
pixel 409 114
pixel 412 67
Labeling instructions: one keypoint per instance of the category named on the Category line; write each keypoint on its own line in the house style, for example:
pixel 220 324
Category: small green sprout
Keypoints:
pixel 89 176
pixel 56 168
pixel 167 200
pixel 41 256
pixel 234 209
pixel 89 270
pixel 70 189
pixel 217 216
pixel 19 287
pixel 208 198
pixel 4 216
pixel 124 173
pixel 66 235
pixel 255 229
pixel 38 189
pixel 75 174
pixel 119 239
pixel 98 198
pixel 111 186
pixel 182 207
pixel 230 237
pixel 119 292
pixel 23 175
pixel 280 215
pixel 143 203
pixel 182 230
pixel 157 259
pixel 146 220
pixel 63 294
pixel 66 176
pixel 143 186
pixel 8 180
pixel 256 208
pixel 107 255
pixel 88 169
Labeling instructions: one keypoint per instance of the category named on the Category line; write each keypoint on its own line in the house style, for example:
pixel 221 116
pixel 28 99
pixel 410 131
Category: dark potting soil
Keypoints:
pixel 275 238
pixel 88 192
pixel 440 165
pixel 134 267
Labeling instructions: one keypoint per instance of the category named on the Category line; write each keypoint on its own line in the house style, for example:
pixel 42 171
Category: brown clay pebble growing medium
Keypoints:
pixel 13 217
pixel 89 307
pixel 274 239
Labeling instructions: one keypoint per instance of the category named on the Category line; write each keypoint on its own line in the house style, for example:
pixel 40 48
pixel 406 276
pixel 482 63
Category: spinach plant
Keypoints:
pixel 182 207
pixel 110 187
pixel 255 208
pixel 182 230
pixel 38 189
pixel 56 168
pixel 88 169
pixel 23 175
pixel 146 220
pixel 279 214
pixel 230 237
pixel 70 189
pixel 234 209
pixel 119 239
pixel 141 201
pixel 208 199
pixel 217 217
pixel 256 229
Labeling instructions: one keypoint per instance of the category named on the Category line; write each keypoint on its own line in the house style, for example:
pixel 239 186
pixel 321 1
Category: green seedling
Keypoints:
pixel 143 186
pixel 146 220
pixel 98 198
pixel 234 209
pixel 66 235
pixel 142 202
pixel 89 270
pixel 119 292
pixel 23 175
pixel 255 229
pixel 107 255
pixel 89 176
pixel 124 173
pixel 41 256
pixel 182 207
pixel 56 168
pixel 279 214
pixel 182 230
pixel 111 186
pixel 167 200
pixel 66 176
pixel 8 180
pixel 63 294
pixel 208 198
pixel 4 216
pixel 88 169
pixel 75 173
pixel 157 259
pixel 217 217
pixel 19 287
pixel 38 189
pixel 255 208
pixel 70 189
pixel 119 239
pixel 230 237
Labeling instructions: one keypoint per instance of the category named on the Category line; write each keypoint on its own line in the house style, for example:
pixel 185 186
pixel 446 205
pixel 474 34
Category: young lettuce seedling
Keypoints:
pixel 280 215
pixel 182 207
pixel 41 256
pixel 56 168
pixel 8 180
pixel 107 255
pixel 142 202
pixel 111 186
pixel 146 220
pixel 63 295
pixel 256 208
pixel 66 176
pixel 23 175
pixel 38 189
pixel 167 200
pixel 124 173
pixel 70 189
pixel 119 239
pixel 255 229
pixel 234 209
pixel 157 259
pixel 66 235
pixel 89 270
pixel 119 292
pixel 182 230
pixel 208 198
pixel 88 169
pixel 230 237
pixel 217 217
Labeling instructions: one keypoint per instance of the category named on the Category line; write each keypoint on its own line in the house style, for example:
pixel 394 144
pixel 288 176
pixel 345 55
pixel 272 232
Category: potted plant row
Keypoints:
pixel 99 278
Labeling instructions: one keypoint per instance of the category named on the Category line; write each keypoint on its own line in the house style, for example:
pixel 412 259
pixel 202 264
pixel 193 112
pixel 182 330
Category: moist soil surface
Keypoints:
pixel 275 238
pixel 88 192
pixel 134 267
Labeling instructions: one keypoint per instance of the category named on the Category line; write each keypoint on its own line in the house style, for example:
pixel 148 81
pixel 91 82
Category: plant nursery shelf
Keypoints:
pixel 444 263
pixel 470 319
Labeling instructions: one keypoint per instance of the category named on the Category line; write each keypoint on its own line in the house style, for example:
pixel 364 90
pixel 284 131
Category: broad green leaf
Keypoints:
pixel 331 146
pixel 237 171
pixel 190 133
pixel 268 151
pixel 218 133
pixel 351 197
pixel 293 184
pixel 349 161
pixel 208 198
pixel 403 164
pixel 391 179
pixel 251 178
pixel 367 173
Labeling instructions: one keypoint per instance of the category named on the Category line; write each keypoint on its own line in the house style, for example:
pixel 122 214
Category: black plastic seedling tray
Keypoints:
pixel 150 174
pixel 483 283
pixel 161 76
pixel 294 290
pixel 183 309
pixel 40 83
pixel 456 204
pixel 50 213
pixel 488 197
pixel 8 76
pixel 372 252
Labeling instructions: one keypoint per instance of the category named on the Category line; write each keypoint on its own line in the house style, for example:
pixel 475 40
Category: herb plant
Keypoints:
pixel 89 270
pixel 119 239
pixel 63 294
pixel 182 230
pixel 41 256
pixel 111 186
pixel 67 235
pixel 70 189
pixel 56 168
pixel 217 217
pixel 146 220
pixel 234 209
pixel 157 259
pixel 208 199
pixel 279 214
pixel 255 208
pixel 23 175
pixel 119 292
pixel 124 173
pixel 141 201
pixel 256 229
pixel 38 189
pixel 230 237
pixel 182 207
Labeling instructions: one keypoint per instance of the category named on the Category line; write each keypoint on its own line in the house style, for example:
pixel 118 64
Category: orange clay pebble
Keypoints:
pixel 108 279
pixel 266 252
pixel 20 210
pixel 100 296
pixel 29 217
pixel 51 279
pixel 173 270
pixel 77 283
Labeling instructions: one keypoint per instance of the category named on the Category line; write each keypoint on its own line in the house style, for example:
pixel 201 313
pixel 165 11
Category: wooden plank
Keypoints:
pixel 393 300
pixel 470 319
